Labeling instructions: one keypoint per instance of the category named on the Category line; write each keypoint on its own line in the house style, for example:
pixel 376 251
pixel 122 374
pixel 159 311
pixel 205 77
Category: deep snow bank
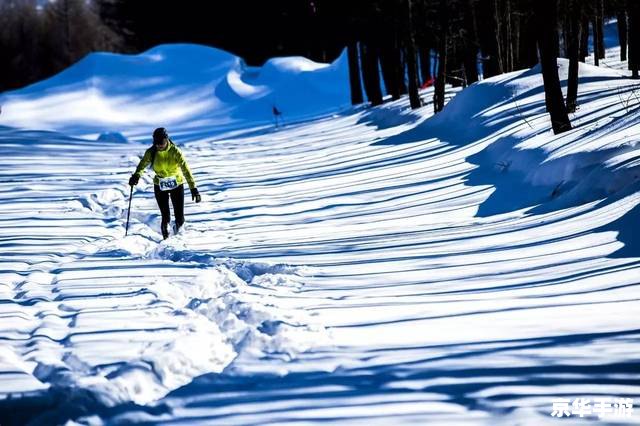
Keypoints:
pixel 504 121
pixel 171 85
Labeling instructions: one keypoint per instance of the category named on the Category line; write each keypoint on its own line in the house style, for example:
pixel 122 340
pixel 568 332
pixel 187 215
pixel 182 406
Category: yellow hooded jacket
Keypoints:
pixel 169 162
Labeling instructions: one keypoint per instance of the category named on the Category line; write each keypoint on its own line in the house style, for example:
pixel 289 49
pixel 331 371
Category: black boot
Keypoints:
pixel 165 230
pixel 177 225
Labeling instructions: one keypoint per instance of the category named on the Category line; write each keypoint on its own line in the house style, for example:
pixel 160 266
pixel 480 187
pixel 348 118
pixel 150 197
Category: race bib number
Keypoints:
pixel 168 183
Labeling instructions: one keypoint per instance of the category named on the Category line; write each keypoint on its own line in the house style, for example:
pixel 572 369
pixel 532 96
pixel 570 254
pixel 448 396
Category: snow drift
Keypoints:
pixel 176 85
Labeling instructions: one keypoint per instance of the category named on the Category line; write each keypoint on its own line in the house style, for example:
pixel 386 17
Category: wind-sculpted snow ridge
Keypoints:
pixel 376 266
pixel 189 86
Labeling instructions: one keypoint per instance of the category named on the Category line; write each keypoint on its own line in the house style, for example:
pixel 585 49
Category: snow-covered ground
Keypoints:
pixel 375 266
pixel 612 49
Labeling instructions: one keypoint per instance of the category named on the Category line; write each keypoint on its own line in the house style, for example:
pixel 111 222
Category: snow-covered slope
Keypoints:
pixel 612 49
pixel 180 85
pixel 377 266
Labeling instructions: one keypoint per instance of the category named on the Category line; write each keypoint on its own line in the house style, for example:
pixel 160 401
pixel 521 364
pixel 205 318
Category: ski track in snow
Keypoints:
pixel 86 311
pixel 371 267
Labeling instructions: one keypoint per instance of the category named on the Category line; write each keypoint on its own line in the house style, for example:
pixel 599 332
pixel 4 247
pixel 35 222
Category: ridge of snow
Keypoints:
pixel 176 85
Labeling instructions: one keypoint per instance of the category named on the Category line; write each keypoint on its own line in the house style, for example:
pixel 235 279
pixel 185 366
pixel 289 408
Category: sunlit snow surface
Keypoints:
pixel 372 266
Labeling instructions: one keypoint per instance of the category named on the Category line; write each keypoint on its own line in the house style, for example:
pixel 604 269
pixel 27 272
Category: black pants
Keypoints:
pixel 177 199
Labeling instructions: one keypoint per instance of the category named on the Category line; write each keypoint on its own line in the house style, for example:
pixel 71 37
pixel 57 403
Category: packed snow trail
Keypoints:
pixel 92 319
pixel 464 278
pixel 378 266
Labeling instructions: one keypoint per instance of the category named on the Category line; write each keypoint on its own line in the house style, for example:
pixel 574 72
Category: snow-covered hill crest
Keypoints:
pixel 180 85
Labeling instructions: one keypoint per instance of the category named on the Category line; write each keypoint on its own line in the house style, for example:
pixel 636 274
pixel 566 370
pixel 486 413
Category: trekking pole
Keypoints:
pixel 129 211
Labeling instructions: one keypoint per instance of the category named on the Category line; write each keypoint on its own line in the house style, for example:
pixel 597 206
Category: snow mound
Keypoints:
pixel 506 99
pixel 502 121
pixel 175 85
pixel 115 137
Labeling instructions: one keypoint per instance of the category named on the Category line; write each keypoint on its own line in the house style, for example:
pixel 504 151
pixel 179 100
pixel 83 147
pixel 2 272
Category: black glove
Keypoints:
pixel 133 180
pixel 195 195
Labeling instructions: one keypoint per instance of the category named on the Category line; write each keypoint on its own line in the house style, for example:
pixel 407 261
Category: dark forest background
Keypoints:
pixel 398 44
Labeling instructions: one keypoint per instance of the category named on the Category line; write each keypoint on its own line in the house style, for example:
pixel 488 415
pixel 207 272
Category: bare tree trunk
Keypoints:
pixel 354 74
pixel 546 17
pixel 528 55
pixel 499 37
pixel 412 68
pixel 66 17
pixel 391 66
pixel 470 45
pixel 391 59
pixel 584 37
pixel 509 38
pixel 596 41
pixel 564 52
pixel 412 73
pixel 401 72
pixel 633 10
pixel 371 73
pixel 600 23
pixel 573 48
pixel 438 94
pixel 517 36
pixel 622 34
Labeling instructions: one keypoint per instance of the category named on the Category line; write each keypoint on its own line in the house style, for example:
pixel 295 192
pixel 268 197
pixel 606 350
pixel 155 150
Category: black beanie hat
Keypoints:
pixel 159 135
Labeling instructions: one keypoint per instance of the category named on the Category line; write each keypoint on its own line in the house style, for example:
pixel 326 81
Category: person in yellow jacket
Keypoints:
pixel 171 169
